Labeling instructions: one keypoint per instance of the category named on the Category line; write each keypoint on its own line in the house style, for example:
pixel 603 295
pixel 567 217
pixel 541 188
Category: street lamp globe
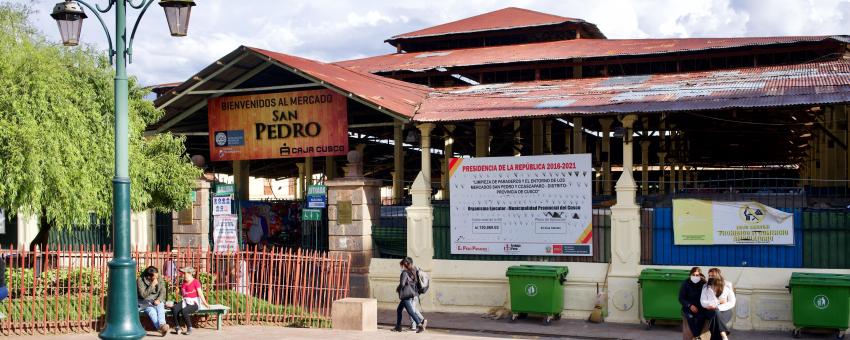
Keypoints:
pixel 177 13
pixel 69 15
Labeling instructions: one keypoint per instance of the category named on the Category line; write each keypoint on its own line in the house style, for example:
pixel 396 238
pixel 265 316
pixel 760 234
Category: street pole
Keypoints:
pixel 122 313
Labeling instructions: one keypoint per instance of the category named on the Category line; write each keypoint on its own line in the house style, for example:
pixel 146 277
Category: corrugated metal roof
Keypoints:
pixel 559 50
pixel 799 84
pixel 395 95
pixel 506 18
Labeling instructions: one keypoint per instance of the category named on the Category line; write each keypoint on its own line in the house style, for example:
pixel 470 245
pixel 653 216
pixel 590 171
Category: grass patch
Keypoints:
pixel 58 308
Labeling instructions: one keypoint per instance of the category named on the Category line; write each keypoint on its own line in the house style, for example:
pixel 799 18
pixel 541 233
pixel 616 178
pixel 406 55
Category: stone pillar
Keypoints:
pixel 191 227
pixel 242 179
pixel 425 145
pixel 606 155
pixel 547 147
pixel 537 137
pixel 308 173
pixel 354 204
pixel 568 141
pixel 299 183
pixel 27 229
pixel 448 153
pixel 143 230
pixel 625 242
pixel 482 140
pixel 644 155
pixel 420 239
pixel 578 137
pixel 398 158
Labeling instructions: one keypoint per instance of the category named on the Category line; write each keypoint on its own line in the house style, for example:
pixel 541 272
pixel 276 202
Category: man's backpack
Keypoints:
pixel 423 282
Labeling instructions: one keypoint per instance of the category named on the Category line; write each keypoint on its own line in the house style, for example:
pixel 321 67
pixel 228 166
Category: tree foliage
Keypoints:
pixel 56 132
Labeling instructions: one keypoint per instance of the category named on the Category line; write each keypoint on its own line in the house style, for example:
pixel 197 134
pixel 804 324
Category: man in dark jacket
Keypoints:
pixel 152 295
pixel 689 296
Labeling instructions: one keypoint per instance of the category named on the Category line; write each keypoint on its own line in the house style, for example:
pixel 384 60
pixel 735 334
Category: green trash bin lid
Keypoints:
pixel 818 279
pixel 659 274
pixel 537 270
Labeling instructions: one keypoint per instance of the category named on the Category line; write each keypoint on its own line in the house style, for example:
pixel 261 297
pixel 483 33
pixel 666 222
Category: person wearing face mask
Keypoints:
pixel 406 292
pixel 689 298
pixel 718 299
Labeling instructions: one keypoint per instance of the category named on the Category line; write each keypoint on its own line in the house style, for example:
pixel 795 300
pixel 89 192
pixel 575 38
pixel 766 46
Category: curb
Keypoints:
pixel 528 334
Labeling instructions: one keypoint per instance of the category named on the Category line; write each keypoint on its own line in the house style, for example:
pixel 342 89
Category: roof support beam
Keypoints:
pixel 202 81
pixel 257 89
pixel 201 104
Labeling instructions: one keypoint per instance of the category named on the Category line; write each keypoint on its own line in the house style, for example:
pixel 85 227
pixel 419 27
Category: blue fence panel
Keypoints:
pixel 666 253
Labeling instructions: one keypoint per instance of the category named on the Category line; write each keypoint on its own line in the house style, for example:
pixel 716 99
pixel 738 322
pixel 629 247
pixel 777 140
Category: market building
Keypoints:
pixel 722 119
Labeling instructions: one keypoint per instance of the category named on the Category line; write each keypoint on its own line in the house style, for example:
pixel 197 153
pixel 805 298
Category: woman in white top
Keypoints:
pixel 718 299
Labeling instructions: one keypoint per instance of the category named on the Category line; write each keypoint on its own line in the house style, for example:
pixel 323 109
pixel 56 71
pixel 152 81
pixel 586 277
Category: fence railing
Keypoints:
pixel 821 224
pixel 64 290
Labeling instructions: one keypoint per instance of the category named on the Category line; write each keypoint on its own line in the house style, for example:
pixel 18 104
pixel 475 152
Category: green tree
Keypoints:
pixel 56 133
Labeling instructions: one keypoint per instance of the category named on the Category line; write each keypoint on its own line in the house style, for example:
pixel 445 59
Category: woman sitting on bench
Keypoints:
pixel 193 297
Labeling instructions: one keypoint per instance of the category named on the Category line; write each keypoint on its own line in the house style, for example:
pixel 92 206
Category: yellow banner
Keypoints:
pixel 725 222
pixel 693 222
pixel 278 125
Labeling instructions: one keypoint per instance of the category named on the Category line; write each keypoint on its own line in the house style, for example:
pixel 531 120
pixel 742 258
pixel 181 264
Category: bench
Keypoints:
pixel 218 310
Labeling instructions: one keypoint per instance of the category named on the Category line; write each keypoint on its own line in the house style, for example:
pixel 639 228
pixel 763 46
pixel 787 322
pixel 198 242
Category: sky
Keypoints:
pixel 333 30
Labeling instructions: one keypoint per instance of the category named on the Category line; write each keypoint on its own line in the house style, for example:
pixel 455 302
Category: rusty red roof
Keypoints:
pixel 395 95
pixel 559 50
pixel 506 18
pixel 799 84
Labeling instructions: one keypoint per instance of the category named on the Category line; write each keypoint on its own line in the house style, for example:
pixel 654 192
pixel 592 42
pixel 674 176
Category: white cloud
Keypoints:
pixel 330 30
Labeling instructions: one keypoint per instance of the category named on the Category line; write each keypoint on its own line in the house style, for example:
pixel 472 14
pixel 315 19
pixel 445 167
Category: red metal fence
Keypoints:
pixel 64 290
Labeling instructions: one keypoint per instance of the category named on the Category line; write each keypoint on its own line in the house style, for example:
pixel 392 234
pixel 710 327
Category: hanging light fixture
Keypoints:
pixel 177 13
pixel 411 137
pixel 69 16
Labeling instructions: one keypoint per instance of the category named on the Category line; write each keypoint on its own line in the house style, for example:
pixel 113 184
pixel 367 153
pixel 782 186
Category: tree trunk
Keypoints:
pixel 41 238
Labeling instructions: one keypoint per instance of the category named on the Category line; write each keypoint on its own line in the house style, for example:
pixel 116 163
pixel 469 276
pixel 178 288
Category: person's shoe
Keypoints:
pixel 163 330
pixel 176 330
pixel 397 329
pixel 424 324
pixel 413 327
pixel 188 331
pixel 421 329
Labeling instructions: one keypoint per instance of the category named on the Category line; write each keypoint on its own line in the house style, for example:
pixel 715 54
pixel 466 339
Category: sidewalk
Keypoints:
pixel 577 329
pixel 447 326
pixel 280 333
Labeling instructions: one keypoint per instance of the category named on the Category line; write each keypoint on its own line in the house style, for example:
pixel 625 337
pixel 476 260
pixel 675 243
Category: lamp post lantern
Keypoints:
pixel 122 314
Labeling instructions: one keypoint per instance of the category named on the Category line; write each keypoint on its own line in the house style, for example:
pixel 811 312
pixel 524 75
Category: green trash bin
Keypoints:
pixel 537 290
pixel 820 301
pixel 659 290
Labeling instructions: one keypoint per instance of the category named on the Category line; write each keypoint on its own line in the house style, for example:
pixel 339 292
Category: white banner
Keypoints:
pixel 530 205
pixel 718 222
pixel 221 205
pixel 225 232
